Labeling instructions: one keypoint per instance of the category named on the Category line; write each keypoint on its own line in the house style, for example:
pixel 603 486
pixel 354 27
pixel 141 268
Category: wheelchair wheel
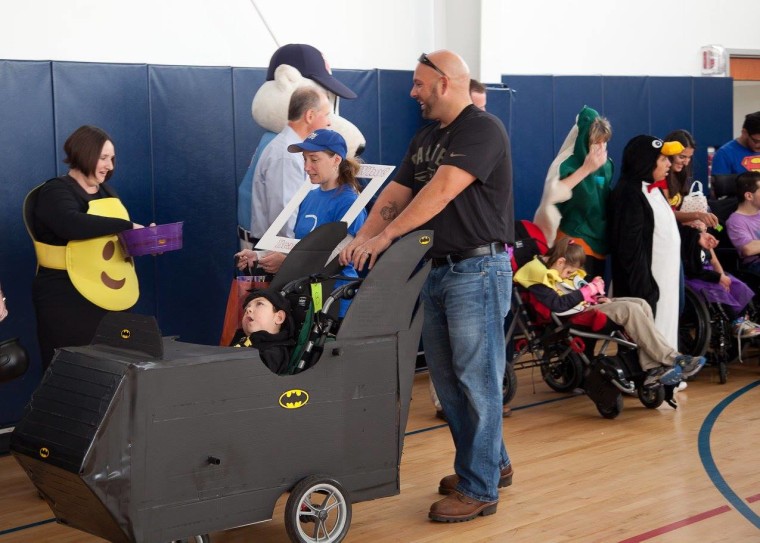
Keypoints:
pixel 611 411
pixel 318 509
pixel 563 375
pixel 509 389
pixel 694 329
pixel 651 397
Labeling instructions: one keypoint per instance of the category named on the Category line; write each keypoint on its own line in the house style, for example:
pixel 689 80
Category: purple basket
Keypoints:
pixel 152 240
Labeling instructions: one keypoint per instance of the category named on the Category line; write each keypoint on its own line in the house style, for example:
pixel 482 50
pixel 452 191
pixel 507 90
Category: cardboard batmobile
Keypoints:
pixel 138 438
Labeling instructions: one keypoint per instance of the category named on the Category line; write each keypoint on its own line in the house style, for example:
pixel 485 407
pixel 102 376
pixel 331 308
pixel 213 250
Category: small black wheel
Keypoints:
pixel 611 411
pixel 651 397
pixel 563 375
pixel 204 538
pixel 722 372
pixel 318 510
pixel 509 389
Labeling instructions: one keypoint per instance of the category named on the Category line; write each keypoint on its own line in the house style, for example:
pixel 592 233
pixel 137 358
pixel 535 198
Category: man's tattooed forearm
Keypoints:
pixel 389 212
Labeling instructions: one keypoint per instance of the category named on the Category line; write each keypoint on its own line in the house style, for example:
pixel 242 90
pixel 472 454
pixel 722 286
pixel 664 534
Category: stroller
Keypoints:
pixel 566 351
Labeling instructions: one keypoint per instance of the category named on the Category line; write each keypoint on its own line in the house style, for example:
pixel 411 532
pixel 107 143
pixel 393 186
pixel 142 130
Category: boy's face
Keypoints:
pixel 754 197
pixel 260 315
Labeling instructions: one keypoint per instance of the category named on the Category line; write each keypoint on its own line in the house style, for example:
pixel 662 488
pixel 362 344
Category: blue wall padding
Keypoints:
pixel 399 115
pixel 532 138
pixel 184 137
pixel 247 133
pixel 546 105
pixel 27 139
pixel 194 178
pixel 364 111
pixel 570 95
pixel 713 110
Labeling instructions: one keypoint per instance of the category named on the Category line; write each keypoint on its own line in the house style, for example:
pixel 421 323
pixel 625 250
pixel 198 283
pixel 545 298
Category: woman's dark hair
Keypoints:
pixel 568 249
pixel 679 182
pixel 83 149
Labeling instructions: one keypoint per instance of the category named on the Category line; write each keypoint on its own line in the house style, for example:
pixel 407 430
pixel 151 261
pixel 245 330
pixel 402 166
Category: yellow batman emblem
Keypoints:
pixel 293 399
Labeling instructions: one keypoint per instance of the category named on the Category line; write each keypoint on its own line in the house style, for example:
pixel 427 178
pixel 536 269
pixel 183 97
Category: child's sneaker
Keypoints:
pixel 665 375
pixel 690 365
pixel 653 376
pixel 681 386
pixel 744 328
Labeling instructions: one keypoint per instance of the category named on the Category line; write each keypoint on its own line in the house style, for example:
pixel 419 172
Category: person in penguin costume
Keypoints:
pixel 643 234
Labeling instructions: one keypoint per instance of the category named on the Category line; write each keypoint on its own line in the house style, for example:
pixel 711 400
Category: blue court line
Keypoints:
pixel 709 463
pixel 26 526
pixel 526 406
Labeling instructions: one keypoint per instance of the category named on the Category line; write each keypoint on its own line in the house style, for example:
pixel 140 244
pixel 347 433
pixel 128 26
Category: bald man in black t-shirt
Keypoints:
pixel 456 179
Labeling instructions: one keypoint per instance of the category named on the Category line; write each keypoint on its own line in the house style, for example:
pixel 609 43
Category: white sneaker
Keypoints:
pixel 681 386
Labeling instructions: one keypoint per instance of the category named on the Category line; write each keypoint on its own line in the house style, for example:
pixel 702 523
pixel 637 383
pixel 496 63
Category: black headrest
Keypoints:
pixel 724 184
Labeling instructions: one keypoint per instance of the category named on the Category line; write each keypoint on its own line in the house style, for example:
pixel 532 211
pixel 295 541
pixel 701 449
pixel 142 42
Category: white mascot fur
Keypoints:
pixel 292 66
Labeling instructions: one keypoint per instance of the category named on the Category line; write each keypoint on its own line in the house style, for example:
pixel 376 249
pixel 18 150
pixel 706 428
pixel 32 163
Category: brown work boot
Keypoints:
pixel 449 483
pixel 456 507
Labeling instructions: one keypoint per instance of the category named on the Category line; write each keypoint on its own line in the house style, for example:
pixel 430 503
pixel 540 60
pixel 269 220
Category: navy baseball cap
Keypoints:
pixel 322 140
pixel 312 65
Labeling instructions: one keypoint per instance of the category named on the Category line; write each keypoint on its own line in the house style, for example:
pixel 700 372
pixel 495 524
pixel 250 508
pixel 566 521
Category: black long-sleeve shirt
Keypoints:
pixel 61 213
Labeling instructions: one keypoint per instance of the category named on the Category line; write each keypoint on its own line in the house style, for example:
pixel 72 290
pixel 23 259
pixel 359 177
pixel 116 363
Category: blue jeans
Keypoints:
pixel 463 334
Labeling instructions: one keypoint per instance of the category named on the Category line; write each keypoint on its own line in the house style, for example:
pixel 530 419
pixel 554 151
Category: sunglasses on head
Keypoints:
pixel 427 62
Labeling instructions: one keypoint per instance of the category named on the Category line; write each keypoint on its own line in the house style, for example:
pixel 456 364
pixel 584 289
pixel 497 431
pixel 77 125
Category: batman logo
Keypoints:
pixel 293 399
pixel 44 452
pixel 424 240
pixel 125 334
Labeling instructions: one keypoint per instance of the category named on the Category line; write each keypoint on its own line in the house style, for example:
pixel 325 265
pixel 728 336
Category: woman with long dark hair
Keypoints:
pixel 680 180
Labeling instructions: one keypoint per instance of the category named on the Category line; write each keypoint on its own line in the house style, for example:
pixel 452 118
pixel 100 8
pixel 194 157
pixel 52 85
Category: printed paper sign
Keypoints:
pixel 270 241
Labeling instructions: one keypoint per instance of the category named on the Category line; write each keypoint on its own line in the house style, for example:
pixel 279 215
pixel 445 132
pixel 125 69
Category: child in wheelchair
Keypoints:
pixel 556 281
pixel 287 327
pixel 705 275
pixel 267 326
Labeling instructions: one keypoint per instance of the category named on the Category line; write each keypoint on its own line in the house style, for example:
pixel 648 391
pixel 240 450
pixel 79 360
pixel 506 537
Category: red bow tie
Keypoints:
pixel 661 184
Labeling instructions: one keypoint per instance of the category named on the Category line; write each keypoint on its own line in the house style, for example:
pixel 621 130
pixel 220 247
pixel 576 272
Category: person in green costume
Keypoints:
pixel 574 202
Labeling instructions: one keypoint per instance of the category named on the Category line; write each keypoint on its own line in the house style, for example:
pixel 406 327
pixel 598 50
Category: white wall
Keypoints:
pixel 611 37
pixel 351 33
pixel 746 100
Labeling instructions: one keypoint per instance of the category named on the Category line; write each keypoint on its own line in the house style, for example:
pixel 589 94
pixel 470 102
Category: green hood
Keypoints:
pixel 585 214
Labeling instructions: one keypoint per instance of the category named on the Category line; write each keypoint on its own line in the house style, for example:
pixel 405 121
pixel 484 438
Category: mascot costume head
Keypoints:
pixel 299 65
pixel 291 66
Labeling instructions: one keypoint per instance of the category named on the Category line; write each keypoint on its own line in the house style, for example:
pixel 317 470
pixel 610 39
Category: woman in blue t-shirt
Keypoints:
pixel 324 154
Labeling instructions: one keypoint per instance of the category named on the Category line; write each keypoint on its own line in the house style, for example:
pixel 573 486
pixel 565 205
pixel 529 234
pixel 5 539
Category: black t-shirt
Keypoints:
pixel 477 143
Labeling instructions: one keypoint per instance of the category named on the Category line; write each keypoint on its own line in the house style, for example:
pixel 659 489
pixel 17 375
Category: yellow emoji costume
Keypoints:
pixel 82 269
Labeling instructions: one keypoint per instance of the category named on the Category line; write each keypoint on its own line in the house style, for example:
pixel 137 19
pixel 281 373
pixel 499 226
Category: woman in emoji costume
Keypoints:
pixel 82 269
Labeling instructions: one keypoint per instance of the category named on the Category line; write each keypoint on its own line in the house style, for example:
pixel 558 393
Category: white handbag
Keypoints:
pixel 695 201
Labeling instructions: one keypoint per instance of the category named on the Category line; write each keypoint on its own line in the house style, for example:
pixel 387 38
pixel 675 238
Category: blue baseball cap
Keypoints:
pixel 322 140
